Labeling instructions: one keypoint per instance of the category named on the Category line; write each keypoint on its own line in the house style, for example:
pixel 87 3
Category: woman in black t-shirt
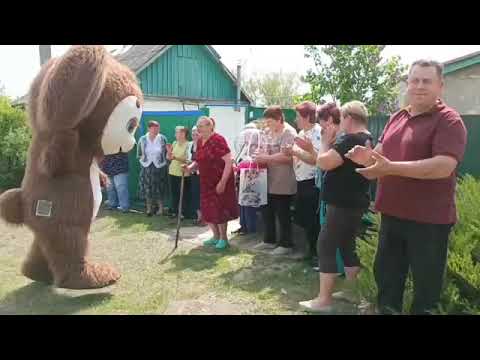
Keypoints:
pixel 346 194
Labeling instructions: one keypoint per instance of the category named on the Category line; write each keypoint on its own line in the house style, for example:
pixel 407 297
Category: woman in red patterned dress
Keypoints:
pixel 218 202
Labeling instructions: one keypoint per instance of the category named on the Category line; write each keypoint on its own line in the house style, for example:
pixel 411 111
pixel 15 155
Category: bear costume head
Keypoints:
pixel 82 106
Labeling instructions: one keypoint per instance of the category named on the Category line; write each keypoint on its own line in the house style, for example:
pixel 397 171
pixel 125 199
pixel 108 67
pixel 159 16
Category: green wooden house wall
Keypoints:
pixel 187 71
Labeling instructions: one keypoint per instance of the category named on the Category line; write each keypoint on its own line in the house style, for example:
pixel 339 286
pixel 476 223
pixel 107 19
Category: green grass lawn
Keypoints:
pixel 192 280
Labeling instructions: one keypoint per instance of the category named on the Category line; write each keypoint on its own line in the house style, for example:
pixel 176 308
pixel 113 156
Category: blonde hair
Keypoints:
pixel 357 110
pixel 182 129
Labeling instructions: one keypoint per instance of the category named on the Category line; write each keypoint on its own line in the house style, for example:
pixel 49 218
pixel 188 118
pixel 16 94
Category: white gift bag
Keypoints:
pixel 253 185
pixel 252 189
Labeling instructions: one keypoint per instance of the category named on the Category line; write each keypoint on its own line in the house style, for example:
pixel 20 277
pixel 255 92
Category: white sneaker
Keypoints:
pixel 282 251
pixel 312 307
pixel 264 246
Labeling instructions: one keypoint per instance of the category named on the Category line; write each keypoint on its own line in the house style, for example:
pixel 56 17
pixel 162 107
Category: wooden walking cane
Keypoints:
pixel 179 215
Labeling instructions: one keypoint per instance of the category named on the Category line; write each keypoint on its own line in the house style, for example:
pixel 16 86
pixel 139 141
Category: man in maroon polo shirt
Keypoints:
pixel 415 162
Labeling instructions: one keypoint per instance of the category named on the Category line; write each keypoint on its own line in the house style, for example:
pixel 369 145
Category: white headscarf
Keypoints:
pixel 249 136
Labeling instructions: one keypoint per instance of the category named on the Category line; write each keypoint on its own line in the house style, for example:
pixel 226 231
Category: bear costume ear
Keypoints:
pixel 69 92
pixel 71 87
pixel 35 91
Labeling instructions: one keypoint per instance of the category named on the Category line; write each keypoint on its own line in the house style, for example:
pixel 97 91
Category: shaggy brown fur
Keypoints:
pixel 71 100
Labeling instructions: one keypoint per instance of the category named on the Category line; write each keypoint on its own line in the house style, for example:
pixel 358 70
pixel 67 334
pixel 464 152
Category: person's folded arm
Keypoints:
pixel 329 160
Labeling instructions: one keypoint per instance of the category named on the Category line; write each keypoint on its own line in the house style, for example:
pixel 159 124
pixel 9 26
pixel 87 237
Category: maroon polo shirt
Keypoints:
pixel 408 138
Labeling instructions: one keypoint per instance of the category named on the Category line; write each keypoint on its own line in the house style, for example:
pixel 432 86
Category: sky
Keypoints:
pixel 20 63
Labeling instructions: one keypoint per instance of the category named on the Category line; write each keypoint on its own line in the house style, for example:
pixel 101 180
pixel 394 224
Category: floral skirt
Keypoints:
pixel 153 183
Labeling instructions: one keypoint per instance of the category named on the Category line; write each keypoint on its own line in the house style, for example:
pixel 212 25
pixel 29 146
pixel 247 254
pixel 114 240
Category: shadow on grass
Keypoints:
pixel 154 223
pixel 37 298
pixel 288 281
pixel 199 259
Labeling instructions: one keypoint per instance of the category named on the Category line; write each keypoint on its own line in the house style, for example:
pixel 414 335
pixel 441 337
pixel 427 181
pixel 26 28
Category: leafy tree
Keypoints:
pixel 355 72
pixel 275 88
pixel 15 137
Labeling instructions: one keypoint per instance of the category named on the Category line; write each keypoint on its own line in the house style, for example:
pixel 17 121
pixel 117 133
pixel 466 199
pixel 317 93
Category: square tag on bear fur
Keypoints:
pixel 44 208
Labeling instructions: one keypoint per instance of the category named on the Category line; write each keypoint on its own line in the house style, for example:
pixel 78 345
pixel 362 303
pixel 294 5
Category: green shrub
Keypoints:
pixel 461 294
pixel 15 136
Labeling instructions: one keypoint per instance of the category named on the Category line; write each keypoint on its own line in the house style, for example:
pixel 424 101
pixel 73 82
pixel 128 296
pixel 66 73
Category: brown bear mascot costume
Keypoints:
pixel 82 106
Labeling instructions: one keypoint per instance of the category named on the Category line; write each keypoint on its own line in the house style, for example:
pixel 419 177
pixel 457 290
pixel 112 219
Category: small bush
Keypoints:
pixel 15 137
pixel 461 294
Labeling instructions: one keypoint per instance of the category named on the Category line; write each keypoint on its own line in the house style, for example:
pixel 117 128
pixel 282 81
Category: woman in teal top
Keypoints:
pixel 327 114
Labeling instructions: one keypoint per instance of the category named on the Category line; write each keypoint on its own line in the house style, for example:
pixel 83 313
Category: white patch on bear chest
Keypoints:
pixel 96 189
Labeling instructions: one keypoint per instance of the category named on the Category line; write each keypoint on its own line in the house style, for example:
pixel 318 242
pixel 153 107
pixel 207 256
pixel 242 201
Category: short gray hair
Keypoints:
pixel 429 63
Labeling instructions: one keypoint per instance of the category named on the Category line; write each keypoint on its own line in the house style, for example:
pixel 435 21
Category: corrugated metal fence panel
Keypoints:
pixel 168 120
pixel 471 164
pixel 187 71
pixel 376 125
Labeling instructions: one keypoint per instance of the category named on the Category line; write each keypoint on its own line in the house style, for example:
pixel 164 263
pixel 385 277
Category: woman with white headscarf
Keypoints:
pixel 247 143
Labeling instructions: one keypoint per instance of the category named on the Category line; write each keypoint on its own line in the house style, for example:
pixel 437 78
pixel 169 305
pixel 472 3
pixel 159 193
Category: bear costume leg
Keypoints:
pixel 35 266
pixel 66 254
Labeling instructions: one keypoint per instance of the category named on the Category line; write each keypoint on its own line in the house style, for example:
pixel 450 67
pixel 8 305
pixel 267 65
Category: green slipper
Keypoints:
pixel 222 244
pixel 210 242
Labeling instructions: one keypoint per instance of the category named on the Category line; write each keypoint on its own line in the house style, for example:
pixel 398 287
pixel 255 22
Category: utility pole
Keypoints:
pixel 45 53
pixel 239 85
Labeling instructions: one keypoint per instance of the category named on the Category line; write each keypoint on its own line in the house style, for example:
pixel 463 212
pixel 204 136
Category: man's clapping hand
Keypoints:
pixel 361 155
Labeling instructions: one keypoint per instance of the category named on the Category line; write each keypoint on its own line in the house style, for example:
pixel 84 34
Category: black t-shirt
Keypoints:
pixel 343 186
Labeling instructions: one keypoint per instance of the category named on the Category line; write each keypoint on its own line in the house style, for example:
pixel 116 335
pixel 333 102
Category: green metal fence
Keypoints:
pixel 470 164
pixel 168 120
pixel 376 126
pixel 254 113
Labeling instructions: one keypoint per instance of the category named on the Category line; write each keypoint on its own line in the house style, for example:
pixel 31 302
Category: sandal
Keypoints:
pixel 210 242
pixel 222 244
